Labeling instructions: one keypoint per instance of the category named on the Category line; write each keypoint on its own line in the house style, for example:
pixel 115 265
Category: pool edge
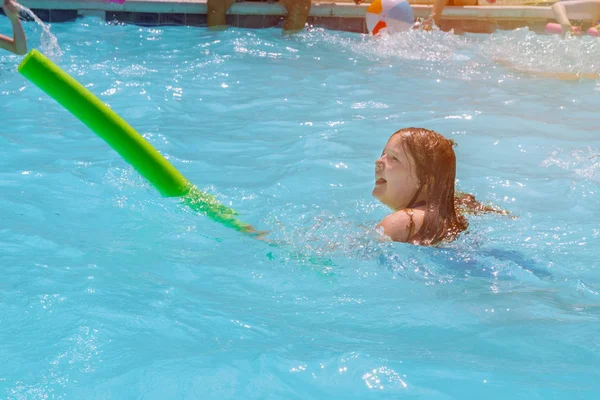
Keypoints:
pixel 330 15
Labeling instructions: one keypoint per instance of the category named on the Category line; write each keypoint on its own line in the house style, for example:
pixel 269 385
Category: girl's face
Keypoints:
pixel 395 176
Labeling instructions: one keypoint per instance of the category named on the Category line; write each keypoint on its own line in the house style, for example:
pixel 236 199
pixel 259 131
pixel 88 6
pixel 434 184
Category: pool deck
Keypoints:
pixel 340 15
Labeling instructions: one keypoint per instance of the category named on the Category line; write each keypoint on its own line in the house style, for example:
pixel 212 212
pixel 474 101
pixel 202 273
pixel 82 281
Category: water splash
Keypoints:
pixel 583 163
pixel 473 56
pixel 543 55
pixel 49 42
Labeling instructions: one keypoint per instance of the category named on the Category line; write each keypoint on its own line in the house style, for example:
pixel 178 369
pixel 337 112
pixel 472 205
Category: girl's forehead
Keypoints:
pixel 395 143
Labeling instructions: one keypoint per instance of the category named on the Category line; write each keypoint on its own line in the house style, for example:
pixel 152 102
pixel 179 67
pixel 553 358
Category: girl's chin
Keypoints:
pixel 378 193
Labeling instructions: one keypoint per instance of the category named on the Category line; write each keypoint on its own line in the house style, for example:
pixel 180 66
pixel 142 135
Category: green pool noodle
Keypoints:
pixel 128 143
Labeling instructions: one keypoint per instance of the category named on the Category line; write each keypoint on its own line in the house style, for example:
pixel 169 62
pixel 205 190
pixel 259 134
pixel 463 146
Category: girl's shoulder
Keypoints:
pixel 403 224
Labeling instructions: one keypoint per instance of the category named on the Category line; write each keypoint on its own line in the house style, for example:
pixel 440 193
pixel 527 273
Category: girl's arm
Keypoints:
pixel 18 43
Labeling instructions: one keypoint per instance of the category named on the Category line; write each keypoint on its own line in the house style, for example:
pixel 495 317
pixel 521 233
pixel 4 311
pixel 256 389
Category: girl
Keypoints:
pixel 18 43
pixel 415 177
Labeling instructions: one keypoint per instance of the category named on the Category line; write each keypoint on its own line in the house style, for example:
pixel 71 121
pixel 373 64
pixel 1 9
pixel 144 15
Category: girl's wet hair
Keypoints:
pixel 435 164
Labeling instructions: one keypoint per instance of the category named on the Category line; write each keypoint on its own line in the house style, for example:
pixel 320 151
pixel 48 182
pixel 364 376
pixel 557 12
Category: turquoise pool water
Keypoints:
pixel 109 291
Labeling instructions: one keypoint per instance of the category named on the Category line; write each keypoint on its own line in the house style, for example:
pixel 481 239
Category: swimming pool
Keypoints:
pixel 110 291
